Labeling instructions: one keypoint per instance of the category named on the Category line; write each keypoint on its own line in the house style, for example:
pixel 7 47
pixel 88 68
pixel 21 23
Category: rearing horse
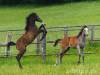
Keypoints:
pixel 74 41
pixel 31 32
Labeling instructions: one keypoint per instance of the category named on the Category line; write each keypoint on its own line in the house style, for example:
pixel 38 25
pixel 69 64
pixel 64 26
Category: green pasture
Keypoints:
pixel 53 15
pixel 34 66
pixel 70 14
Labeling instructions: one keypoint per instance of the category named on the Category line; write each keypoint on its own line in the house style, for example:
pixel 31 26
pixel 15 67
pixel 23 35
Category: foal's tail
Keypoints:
pixel 56 42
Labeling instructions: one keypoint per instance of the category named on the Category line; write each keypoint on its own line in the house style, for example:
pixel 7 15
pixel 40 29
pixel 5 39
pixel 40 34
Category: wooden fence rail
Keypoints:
pixel 41 46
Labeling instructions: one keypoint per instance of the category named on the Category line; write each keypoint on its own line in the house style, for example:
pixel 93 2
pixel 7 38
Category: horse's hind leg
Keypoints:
pixel 63 53
pixel 57 60
pixel 19 56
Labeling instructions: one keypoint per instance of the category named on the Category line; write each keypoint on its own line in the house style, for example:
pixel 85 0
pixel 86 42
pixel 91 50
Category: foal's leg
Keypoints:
pixel 78 49
pixel 83 55
pixel 43 30
pixel 43 27
pixel 57 60
pixel 19 56
pixel 63 53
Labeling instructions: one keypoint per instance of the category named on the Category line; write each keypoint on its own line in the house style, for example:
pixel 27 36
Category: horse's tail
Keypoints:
pixel 56 42
pixel 11 43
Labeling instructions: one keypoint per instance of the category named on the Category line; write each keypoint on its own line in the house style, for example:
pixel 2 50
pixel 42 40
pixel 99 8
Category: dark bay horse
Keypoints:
pixel 31 32
pixel 75 41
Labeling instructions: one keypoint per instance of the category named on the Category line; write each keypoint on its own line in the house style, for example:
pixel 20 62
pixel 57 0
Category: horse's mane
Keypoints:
pixel 28 20
pixel 27 23
pixel 81 31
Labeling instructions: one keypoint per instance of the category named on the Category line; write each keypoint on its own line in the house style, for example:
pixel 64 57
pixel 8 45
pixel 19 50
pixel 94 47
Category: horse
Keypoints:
pixel 77 42
pixel 31 32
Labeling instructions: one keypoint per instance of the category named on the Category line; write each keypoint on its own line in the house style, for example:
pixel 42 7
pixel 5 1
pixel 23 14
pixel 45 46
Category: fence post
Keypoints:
pixel 44 49
pixel 92 34
pixel 8 39
pixel 38 45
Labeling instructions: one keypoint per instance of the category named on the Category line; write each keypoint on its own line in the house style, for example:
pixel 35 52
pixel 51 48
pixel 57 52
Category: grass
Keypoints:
pixel 52 70
pixel 55 15
pixel 33 66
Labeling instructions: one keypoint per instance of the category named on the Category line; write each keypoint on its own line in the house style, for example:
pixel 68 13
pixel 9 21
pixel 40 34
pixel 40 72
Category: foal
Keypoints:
pixel 31 32
pixel 74 41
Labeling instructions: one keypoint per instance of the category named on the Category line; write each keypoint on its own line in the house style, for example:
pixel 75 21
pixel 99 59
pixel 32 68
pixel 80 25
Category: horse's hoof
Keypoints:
pixel 78 62
pixel 55 64
pixel 20 67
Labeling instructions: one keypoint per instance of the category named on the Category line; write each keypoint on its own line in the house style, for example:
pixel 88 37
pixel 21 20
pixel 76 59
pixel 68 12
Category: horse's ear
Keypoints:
pixel 84 26
pixel 27 18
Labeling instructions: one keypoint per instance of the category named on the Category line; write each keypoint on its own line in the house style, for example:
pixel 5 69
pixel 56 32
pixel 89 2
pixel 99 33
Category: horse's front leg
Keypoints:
pixel 43 27
pixel 79 54
pixel 83 55
pixel 43 30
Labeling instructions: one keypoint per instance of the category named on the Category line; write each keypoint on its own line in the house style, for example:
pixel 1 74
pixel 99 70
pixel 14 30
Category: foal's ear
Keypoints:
pixel 84 26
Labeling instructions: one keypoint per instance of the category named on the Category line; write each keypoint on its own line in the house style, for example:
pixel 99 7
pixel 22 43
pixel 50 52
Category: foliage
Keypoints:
pixel 13 2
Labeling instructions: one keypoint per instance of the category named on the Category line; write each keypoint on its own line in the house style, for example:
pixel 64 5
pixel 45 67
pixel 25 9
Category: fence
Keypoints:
pixel 51 37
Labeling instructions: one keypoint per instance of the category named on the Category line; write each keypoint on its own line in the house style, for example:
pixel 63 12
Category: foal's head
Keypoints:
pixel 34 17
pixel 30 20
pixel 85 30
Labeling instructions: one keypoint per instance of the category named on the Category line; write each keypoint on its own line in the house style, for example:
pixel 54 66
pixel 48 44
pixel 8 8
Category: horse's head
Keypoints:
pixel 34 17
pixel 85 30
